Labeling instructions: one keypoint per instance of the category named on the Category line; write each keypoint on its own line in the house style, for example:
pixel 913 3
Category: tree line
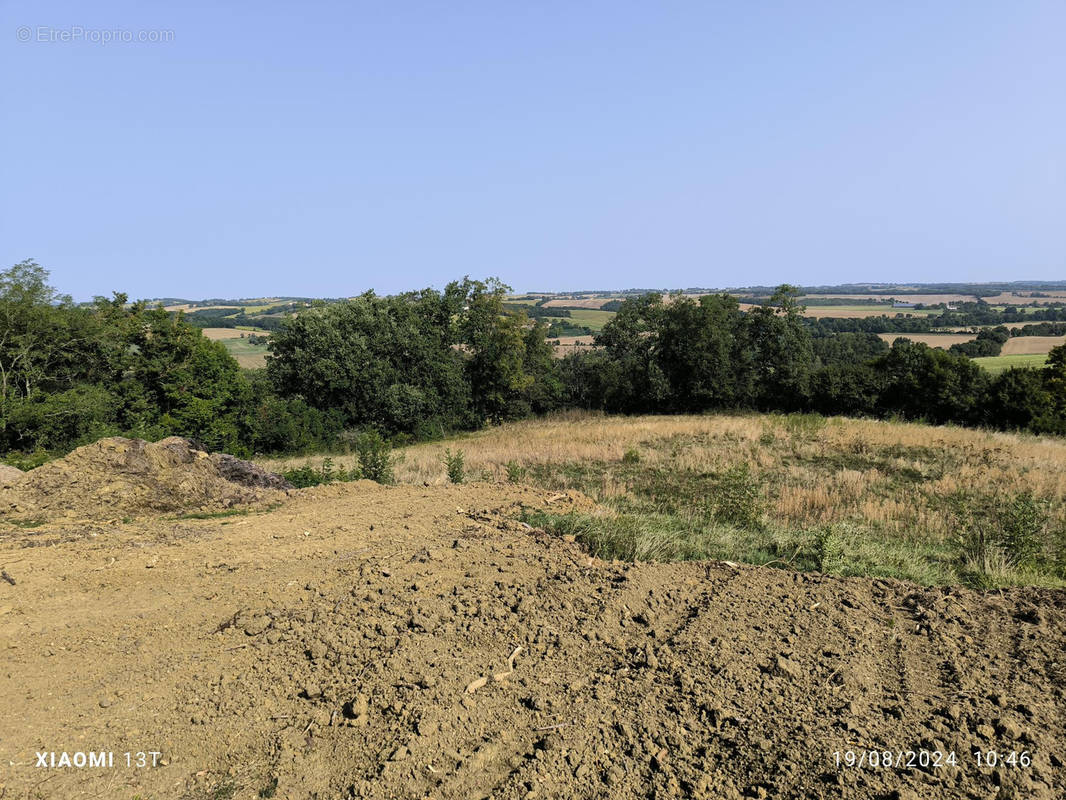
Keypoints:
pixel 430 363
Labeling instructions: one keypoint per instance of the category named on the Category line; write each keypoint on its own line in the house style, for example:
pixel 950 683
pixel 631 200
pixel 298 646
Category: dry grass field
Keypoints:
pixel 941 340
pixel 910 298
pixel 587 302
pixel 221 334
pixel 899 499
pixel 236 342
pixel 1031 345
pixel 572 344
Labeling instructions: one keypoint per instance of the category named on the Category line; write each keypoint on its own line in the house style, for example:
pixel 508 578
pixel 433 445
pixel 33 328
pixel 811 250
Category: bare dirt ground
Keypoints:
pixel 369 641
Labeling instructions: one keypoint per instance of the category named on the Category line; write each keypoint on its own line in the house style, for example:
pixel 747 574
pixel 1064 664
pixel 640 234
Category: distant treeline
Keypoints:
pixel 215 318
pixel 429 363
pixel 537 311
pixel 966 315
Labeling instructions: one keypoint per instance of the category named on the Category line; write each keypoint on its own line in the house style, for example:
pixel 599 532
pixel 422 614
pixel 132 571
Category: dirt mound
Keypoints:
pixel 403 642
pixel 118 477
pixel 9 476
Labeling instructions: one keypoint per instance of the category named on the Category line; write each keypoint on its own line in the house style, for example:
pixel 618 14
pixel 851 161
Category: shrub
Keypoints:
pixel 632 456
pixel 455 464
pixel 828 549
pixel 515 472
pixel 305 476
pixel 1022 522
pixel 738 498
pixel 375 457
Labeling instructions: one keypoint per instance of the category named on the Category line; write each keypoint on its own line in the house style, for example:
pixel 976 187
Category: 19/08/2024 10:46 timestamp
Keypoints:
pixel 929 759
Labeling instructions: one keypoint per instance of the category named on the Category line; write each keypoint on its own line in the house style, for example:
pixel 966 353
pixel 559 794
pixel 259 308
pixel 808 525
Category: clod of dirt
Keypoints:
pixel 119 477
pixel 9 476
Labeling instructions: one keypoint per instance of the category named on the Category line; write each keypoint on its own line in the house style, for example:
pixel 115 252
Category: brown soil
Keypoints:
pixel 411 642
pixel 117 477
pixel 10 475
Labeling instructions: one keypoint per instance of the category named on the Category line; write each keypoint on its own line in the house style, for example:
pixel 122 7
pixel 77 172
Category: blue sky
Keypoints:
pixel 324 148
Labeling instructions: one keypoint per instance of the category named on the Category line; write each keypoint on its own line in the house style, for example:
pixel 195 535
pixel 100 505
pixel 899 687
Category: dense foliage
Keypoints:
pixel 696 355
pixel 426 364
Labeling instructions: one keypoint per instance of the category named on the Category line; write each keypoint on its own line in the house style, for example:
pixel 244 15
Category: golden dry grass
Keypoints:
pixel 218 334
pixel 893 477
pixel 586 302
pixel 1031 345
pixel 939 340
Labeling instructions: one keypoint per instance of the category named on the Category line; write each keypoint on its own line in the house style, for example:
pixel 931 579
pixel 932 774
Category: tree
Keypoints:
pixel 381 362
pixel 494 341
pixel 633 379
pixel 780 352
pixel 699 352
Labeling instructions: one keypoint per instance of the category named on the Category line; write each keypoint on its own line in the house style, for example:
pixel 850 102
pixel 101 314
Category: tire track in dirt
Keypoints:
pixel 357 642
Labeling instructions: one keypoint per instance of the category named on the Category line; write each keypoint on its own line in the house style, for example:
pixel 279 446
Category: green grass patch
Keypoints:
pixel 998 364
pixel 838 549
pixel 25 523
pixel 229 512
pixel 248 355
pixel 590 318
pixel 657 511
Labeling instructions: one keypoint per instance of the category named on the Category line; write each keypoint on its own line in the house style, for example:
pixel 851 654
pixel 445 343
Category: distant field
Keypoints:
pixel 249 356
pixel 859 311
pixel 219 334
pixel 594 302
pixel 941 340
pixel 187 307
pixel 1031 345
pixel 905 298
pixel 235 340
pixel 1010 298
pixel 997 364
pixel 592 319
pixel 572 344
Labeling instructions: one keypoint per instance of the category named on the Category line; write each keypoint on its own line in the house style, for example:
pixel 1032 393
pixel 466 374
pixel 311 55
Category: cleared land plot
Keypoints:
pixel 997 364
pixel 1031 345
pixel 418 641
pixel 941 340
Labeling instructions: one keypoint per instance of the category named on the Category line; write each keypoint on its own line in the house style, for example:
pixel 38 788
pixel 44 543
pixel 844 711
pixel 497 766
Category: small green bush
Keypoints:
pixel 631 456
pixel 455 464
pixel 828 549
pixel 305 476
pixel 375 457
pixel 515 472
pixel 1022 522
pixel 738 498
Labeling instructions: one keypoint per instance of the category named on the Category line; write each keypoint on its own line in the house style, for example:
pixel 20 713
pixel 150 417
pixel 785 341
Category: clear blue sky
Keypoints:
pixel 324 148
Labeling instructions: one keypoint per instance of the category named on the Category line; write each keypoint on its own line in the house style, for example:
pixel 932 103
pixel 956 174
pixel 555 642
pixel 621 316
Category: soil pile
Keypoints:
pixel 118 477
pixel 9 476
pixel 362 641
